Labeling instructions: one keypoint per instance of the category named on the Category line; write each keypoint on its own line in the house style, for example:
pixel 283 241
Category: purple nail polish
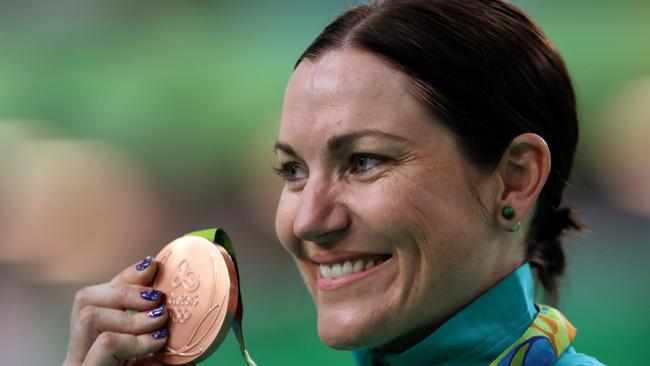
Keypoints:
pixel 156 312
pixel 160 333
pixel 151 295
pixel 144 264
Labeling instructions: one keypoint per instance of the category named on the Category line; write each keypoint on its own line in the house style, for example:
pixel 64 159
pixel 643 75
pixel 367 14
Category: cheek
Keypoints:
pixel 448 223
pixel 424 216
pixel 421 203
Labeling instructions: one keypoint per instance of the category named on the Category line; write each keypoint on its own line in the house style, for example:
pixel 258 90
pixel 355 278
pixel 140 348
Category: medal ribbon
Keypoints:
pixel 543 342
pixel 219 237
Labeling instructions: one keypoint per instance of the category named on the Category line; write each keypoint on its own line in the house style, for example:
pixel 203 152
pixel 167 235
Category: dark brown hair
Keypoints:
pixel 487 72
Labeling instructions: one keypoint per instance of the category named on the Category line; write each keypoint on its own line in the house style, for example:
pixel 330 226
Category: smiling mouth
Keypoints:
pixel 340 269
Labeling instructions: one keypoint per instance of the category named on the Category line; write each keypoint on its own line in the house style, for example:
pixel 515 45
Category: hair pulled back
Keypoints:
pixel 487 72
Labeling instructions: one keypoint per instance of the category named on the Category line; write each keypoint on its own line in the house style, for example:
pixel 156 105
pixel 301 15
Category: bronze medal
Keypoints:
pixel 200 284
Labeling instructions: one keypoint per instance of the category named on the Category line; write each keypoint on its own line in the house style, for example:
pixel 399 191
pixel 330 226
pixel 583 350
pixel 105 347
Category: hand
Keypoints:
pixel 103 332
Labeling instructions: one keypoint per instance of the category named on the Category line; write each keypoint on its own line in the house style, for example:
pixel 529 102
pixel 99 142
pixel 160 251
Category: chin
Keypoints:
pixel 337 339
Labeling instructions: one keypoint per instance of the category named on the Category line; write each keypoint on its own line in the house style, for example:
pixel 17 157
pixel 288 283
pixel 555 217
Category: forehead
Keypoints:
pixel 345 90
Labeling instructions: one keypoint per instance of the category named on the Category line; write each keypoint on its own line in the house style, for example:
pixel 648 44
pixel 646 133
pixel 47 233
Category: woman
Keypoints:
pixel 425 146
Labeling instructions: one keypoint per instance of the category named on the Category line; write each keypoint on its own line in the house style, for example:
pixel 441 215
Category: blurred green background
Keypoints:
pixel 124 124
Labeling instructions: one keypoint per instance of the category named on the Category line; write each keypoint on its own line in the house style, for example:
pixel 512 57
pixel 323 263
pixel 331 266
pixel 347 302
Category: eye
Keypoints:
pixel 290 171
pixel 361 163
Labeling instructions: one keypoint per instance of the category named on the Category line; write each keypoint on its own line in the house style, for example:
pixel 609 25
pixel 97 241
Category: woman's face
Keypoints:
pixel 376 209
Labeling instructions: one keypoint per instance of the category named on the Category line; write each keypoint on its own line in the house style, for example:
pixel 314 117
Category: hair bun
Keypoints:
pixel 545 253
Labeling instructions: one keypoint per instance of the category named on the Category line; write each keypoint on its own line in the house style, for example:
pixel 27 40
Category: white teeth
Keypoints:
pixel 370 264
pixel 358 266
pixel 346 268
pixel 326 271
pixel 337 270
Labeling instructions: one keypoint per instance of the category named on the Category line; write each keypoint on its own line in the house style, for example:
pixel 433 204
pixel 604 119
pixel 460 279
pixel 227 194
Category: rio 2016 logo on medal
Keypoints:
pixel 200 284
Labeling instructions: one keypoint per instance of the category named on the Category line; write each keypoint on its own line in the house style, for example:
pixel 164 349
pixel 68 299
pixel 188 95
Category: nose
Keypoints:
pixel 321 217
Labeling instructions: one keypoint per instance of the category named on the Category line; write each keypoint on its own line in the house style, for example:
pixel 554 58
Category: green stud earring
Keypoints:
pixel 508 212
pixel 516 227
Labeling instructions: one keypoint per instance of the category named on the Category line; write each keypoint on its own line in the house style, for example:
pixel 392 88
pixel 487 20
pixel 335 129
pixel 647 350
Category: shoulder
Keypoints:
pixel 571 358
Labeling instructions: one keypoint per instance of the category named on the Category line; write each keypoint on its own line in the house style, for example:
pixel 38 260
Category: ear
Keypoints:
pixel 523 170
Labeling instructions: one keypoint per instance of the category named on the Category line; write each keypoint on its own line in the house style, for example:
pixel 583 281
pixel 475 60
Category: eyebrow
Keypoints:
pixel 336 142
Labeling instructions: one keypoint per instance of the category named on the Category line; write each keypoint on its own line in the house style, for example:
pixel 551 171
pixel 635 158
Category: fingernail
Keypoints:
pixel 156 312
pixel 151 295
pixel 160 333
pixel 144 264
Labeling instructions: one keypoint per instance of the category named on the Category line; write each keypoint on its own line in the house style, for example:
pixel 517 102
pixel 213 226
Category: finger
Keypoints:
pixel 95 320
pixel 115 296
pixel 141 273
pixel 109 349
